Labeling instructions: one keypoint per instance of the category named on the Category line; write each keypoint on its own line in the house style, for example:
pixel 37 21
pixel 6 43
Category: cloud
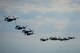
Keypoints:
pixel 61 24
pixel 42 22
pixel 61 6
pixel 52 23
pixel 42 6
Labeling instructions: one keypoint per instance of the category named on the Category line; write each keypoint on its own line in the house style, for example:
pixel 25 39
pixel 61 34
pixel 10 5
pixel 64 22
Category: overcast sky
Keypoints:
pixel 47 18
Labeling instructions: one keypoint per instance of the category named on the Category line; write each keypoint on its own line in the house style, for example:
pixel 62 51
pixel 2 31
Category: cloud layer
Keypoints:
pixel 42 6
pixel 55 14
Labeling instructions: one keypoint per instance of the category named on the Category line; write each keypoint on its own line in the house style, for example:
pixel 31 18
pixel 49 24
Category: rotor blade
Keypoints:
pixel 26 26
pixel 7 16
pixel 17 17
pixel 13 16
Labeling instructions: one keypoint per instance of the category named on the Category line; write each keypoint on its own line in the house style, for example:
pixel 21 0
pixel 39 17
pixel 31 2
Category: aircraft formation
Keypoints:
pixel 57 38
pixel 30 31
pixel 19 27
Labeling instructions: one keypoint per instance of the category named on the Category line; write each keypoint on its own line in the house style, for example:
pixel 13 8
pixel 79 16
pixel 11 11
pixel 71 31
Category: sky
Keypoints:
pixel 47 18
